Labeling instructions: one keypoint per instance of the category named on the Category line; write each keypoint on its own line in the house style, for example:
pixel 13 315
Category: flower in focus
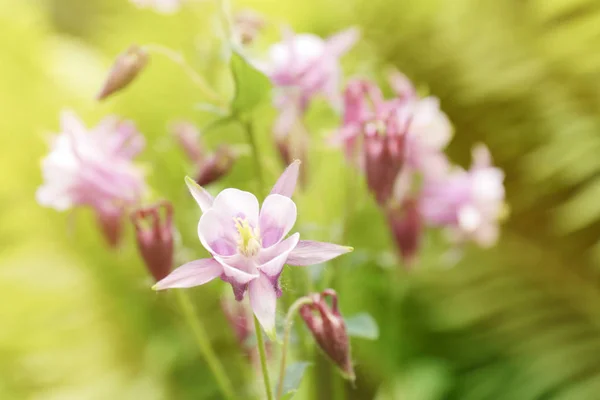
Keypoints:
pixel 161 6
pixel 94 168
pixel 247 25
pixel 210 167
pixel 249 244
pixel 125 69
pixel 154 233
pixel 329 330
pixel 303 66
pixel 470 203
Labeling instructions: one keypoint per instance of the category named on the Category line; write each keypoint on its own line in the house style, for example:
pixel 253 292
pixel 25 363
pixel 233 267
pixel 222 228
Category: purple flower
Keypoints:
pixel 94 169
pixel 470 203
pixel 303 66
pixel 406 226
pixel 161 6
pixel 154 233
pixel 249 244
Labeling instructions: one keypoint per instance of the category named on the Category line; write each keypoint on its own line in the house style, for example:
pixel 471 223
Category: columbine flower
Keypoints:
pixel 329 329
pixel 248 245
pixel 303 66
pixel 470 202
pixel 154 233
pixel 125 69
pixel 161 6
pixel 210 166
pixel 94 168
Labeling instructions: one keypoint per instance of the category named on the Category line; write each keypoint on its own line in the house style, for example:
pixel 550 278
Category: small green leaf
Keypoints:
pixel 251 85
pixel 292 379
pixel 362 326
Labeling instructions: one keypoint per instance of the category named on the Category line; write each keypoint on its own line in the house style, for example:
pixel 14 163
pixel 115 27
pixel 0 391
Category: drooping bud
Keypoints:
pixel 329 330
pixel 110 220
pixel 406 225
pixel 125 69
pixel 154 232
pixel 216 165
pixel 188 137
pixel 248 24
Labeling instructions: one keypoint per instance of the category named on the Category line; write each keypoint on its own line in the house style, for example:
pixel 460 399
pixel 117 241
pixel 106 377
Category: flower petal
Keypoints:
pixel 238 268
pixel 217 233
pixel 263 302
pixel 286 184
pixel 309 252
pixel 237 203
pixel 277 217
pixel 343 41
pixel 202 197
pixel 275 257
pixel 194 273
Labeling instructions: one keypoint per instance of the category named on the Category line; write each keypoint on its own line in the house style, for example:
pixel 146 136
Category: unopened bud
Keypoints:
pixel 216 165
pixel 329 330
pixel 154 233
pixel 384 158
pixel 406 226
pixel 110 220
pixel 188 137
pixel 125 69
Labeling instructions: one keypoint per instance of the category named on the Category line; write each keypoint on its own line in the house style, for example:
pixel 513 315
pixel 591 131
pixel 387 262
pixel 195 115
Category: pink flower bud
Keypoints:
pixel 154 234
pixel 329 330
pixel 125 69
pixel 406 226
pixel 188 137
pixel 110 220
pixel 216 165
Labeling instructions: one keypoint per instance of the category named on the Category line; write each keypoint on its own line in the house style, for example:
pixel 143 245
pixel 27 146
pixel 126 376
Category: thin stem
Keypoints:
pixel 289 322
pixel 223 11
pixel 263 358
pixel 249 128
pixel 196 78
pixel 187 307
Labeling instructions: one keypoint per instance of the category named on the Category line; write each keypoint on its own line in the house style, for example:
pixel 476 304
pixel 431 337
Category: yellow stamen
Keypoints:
pixel 249 242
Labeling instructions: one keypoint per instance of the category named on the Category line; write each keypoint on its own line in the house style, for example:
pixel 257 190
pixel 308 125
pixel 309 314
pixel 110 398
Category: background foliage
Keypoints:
pixel 520 321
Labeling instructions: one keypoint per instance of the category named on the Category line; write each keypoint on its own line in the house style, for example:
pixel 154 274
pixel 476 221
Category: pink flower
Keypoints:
pixel 406 226
pixel 470 203
pixel 248 244
pixel 93 168
pixel 161 6
pixel 303 66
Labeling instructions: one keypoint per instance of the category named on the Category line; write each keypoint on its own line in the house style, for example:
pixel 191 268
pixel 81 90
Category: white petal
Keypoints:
pixel 202 197
pixel 263 301
pixel 275 257
pixel 343 41
pixel 286 184
pixel 237 203
pixel 194 273
pixel 238 268
pixel 309 252
pixel 217 233
pixel 277 217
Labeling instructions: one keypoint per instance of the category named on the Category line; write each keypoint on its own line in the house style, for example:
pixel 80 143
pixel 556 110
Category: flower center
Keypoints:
pixel 249 242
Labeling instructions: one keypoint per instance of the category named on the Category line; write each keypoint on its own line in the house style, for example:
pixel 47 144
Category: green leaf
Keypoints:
pixel 251 85
pixel 292 379
pixel 362 326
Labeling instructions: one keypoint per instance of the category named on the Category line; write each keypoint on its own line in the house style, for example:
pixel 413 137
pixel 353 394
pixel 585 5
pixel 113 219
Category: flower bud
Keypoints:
pixel 125 69
pixel 154 233
pixel 329 330
pixel 406 226
pixel 384 158
pixel 216 165
pixel 110 220
pixel 188 137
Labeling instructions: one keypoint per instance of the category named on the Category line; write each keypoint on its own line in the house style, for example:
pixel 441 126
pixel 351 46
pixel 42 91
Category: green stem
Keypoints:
pixel 249 129
pixel 187 307
pixel 289 322
pixel 263 358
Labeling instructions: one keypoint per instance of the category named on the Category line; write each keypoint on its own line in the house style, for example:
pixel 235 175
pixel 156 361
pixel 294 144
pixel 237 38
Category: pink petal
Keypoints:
pixel 343 41
pixel 217 233
pixel 202 197
pixel 194 273
pixel 309 252
pixel 263 302
pixel 277 217
pixel 237 204
pixel 274 258
pixel 238 268
pixel 286 184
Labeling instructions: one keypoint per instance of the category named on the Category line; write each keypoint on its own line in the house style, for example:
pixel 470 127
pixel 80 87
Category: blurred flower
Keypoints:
pixel 329 329
pixel 248 245
pixel 303 66
pixel 210 167
pixel 239 316
pixel 470 203
pixel 161 6
pixel 247 25
pixel 404 220
pixel 94 168
pixel 125 69
pixel 154 233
